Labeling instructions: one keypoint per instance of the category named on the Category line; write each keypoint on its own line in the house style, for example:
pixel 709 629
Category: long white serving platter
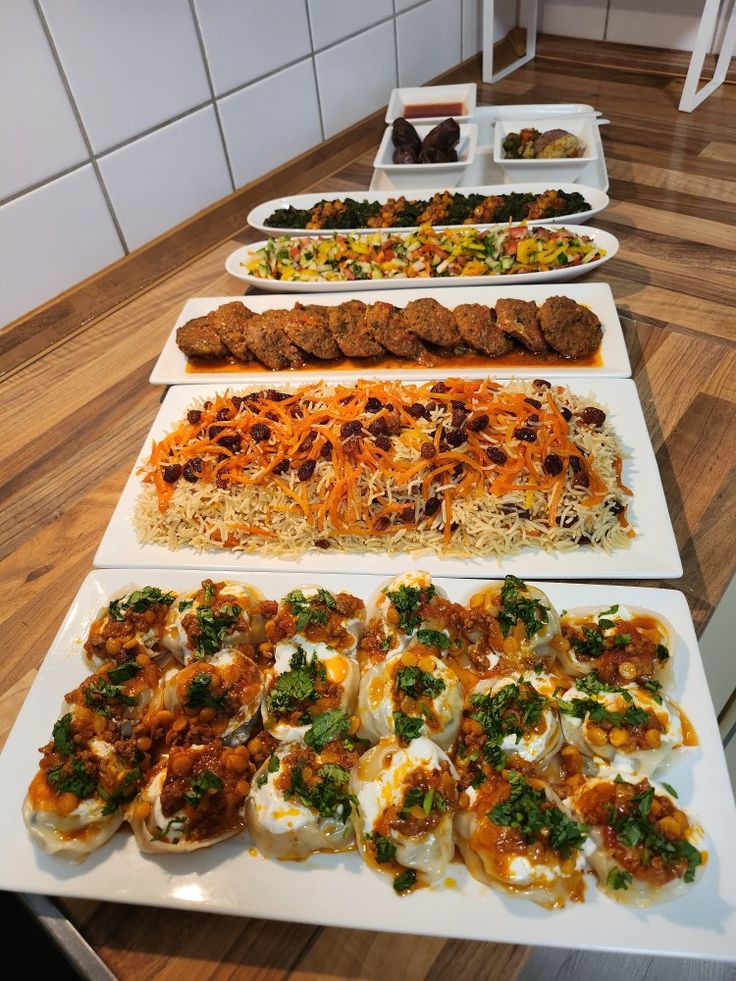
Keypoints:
pixel 652 554
pixel 235 264
pixel 258 216
pixel 171 366
pixel 339 890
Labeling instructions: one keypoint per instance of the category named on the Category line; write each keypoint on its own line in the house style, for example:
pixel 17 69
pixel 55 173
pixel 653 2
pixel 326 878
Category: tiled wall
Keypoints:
pixel 122 119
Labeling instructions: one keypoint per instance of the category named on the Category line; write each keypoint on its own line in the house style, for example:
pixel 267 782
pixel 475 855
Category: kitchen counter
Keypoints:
pixel 75 414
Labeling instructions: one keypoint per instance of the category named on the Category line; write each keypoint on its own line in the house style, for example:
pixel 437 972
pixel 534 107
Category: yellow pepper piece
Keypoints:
pixel 526 251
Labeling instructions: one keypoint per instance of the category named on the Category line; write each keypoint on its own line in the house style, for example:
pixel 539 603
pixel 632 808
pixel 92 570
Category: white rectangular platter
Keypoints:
pixel 171 366
pixel 653 553
pixel 258 216
pixel 338 890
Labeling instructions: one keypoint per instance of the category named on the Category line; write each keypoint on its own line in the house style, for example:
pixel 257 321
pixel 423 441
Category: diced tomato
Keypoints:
pixel 510 246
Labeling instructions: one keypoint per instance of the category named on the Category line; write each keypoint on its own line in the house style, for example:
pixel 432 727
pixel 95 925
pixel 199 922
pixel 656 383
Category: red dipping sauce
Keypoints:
pixel 424 109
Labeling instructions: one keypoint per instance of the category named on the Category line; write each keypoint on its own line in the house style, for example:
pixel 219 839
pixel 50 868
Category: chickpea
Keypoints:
pixel 618 737
pixel 242 751
pixel 207 714
pixel 560 643
pixel 354 725
pixel 627 670
pixel 254 745
pixel 164 718
pixel 243 787
pixel 511 645
pixel 569 750
pixel 143 744
pixel 681 818
pixel 463 801
pixel 113 645
pixel 142 810
pixel 100 724
pixel 392 615
pixel 597 736
pixel 669 826
pixel 426 664
pixel 409 659
pixel 130 644
pixel 476 602
pixel 407 704
pixel 66 804
pixel 181 765
pixel 178 725
pixel 653 738
pixel 143 659
pixel 236 764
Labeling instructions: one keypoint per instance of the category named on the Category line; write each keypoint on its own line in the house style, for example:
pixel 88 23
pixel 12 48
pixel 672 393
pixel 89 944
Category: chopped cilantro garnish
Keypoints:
pixel 591 644
pixel 326 727
pixel 517 607
pixel 405 881
pixel 406 601
pixel 213 628
pixel 71 777
pixel 307 611
pixel 596 712
pixel 662 652
pixel 139 601
pixel 670 789
pixel 99 692
pixel 428 800
pixel 407 727
pixel 618 878
pixel 297 685
pixel 162 833
pixel 512 711
pixel 385 851
pixel 199 694
pixel 62 735
pixel 591 684
pixel 328 796
pixel 415 682
pixel 434 638
pixel 201 785
pixel 529 811
pixel 123 793
pixel 123 672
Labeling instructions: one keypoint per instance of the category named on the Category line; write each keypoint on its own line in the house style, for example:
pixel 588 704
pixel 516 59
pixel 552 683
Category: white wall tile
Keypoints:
pixel 333 20
pixel 405 4
pixel 429 41
pixel 356 77
pixel 34 106
pixel 130 65
pixel 245 39
pixel 271 121
pixel 572 18
pixel 167 176
pixel 673 24
pixel 51 238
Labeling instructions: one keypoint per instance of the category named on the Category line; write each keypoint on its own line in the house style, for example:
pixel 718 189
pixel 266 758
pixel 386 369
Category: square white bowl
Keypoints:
pixel 547 168
pixel 432 94
pixel 428 174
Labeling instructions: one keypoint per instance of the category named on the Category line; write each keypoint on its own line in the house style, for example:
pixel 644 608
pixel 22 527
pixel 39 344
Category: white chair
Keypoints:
pixel 488 41
pixel 691 97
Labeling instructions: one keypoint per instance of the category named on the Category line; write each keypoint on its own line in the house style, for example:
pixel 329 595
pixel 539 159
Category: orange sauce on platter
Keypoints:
pixel 458 362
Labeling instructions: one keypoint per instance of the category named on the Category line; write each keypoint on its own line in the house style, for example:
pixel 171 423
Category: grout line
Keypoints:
pixel 42 183
pixel 153 129
pixel 314 71
pixel 200 41
pixel 261 78
pixel 605 22
pixel 80 123
pixel 396 47
pixel 462 14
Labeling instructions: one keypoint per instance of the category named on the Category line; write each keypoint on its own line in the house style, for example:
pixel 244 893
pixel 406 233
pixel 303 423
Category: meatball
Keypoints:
pixel 199 339
pixel 387 326
pixel 348 327
pixel 432 322
pixel 266 338
pixel 477 327
pixel 571 329
pixel 310 331
pixel 229 315
pixel 518 318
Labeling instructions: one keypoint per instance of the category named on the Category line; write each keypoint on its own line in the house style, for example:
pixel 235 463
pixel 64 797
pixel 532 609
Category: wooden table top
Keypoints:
pixel 75 417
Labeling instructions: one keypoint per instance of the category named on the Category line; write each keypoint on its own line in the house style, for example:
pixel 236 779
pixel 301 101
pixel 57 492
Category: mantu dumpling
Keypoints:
pixel 625 645
pixel 406 799
pixel 513 625
pixel 515 834
pixel 632 727
pixel 211 617
pixel 300 800
pixel 129 625
pixel 410 608
pixel 414 689
pixel 647 850
pixel 193 797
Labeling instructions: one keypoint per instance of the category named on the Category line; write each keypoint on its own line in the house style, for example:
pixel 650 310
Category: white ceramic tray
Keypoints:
pixel 171 366
pixel 653 553
pixel 484 170
pixel 339 890
pixel 257 218
pixel 234 264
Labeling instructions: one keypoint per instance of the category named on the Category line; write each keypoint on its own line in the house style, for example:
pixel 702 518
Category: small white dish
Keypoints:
pixel 428 174
pixel 546 168
pixel 449 96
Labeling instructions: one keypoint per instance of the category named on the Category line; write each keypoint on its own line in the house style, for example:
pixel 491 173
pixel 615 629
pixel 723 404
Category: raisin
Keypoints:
pixel 496 455
pixel 456 437
pixel 322 542
pixel 417 411
pixel 535 402
pixel 223 414
pixel 533 418
pixel 525 434
pixel 352 428
pixel 207 405
pixel 373 405
pixel 222 480
pixel 189 474
pixel 197 464
pixel 541 383
pixel 306 470
pixel 432 506
pixel 273 396
pixel 383 443
pixel 259 432
pixel 378 427
pixel 592 416
pixel 232 442
pixel 307 441
pixel 194 416
pixel 584 540
pixel 382 523
pixel 213 431
pixel 553 465
pixel 565 413
pixel 326 450
pixel 172 473
pixel 406 515
pixel 616 507
pixel 480 422
pixel 516 509
pixel 283 466
pixel 439 387
pixel 236 401
pixel 428 450
pixel 458 418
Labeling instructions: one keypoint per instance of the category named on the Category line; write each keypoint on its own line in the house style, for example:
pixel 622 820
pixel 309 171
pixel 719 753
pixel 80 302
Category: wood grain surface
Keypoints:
pixel 76 408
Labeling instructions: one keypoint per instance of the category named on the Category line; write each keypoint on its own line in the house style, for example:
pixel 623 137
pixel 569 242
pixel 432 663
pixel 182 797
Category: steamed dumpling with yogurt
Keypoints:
pixel 213 616
pixel 516 835
pixel 512 625
pixel 117 693
pixel 193 798
pixel 624 645
pixel 406 799
pixel 314 635
pixel 300 799
pixel 129 625
pixel 632 727
pixel 647 850
pixel 415 688
pixel 76 801
pixel 222 694
pixel 514 716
